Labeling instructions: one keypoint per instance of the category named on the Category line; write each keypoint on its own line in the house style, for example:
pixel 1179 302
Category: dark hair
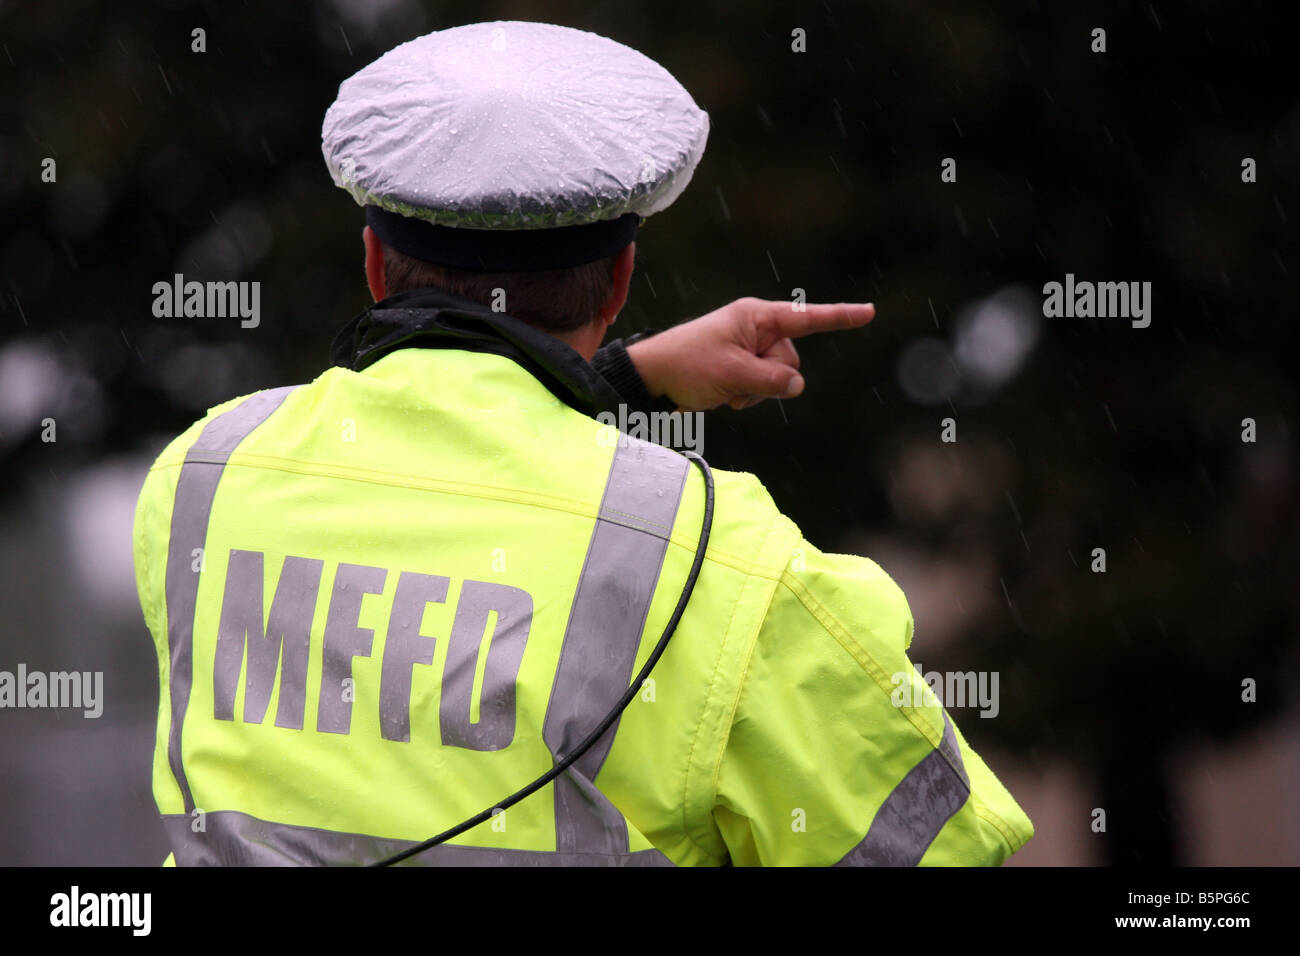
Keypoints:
pixel 553 300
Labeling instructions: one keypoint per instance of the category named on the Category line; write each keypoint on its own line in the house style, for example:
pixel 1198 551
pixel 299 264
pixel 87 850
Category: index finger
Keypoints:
pixel 792 320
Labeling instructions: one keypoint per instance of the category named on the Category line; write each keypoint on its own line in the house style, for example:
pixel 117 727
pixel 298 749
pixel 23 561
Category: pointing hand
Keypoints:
pixel 739 354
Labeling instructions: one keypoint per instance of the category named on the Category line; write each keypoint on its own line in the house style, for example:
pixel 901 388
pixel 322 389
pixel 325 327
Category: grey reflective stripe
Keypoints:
pixel 230 838
pixel 914 813
pixel 196 488
pixel 609 611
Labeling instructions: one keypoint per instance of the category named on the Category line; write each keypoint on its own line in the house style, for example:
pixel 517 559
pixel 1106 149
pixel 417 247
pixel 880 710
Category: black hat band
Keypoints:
pixel 498 250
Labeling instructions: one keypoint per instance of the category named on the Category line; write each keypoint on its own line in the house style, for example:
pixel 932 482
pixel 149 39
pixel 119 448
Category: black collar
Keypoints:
pixel 432 318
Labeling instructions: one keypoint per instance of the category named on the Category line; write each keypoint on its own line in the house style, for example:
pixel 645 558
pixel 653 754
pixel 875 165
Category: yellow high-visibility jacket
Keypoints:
pixel 387 599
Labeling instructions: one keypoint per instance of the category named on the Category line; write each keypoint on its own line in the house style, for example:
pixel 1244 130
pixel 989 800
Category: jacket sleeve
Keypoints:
pixel 614 364
pixel 839 752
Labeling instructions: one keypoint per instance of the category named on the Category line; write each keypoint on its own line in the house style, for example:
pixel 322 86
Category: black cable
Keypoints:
pixel 613 715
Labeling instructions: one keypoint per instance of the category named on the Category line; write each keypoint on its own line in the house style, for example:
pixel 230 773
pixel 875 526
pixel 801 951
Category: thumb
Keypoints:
pixel 767 378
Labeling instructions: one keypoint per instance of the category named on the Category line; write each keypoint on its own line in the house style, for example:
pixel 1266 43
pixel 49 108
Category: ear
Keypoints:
pixel 608 312
pixel 374 263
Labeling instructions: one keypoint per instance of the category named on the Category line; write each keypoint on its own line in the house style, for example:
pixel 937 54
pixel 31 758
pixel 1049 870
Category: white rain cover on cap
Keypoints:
pixel 513 125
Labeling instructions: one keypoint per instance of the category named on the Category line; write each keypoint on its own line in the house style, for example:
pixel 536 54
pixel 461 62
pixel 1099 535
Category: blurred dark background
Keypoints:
pixel 1119 690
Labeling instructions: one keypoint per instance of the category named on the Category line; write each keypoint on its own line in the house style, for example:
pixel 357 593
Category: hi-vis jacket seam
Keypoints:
pixel 156 623
pixel 687 828
pixel 142 556
pixel 1005 830
pixel 487 492
pixel 858 652
pixel 730 713
pixel 638 523
pixel 699 730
